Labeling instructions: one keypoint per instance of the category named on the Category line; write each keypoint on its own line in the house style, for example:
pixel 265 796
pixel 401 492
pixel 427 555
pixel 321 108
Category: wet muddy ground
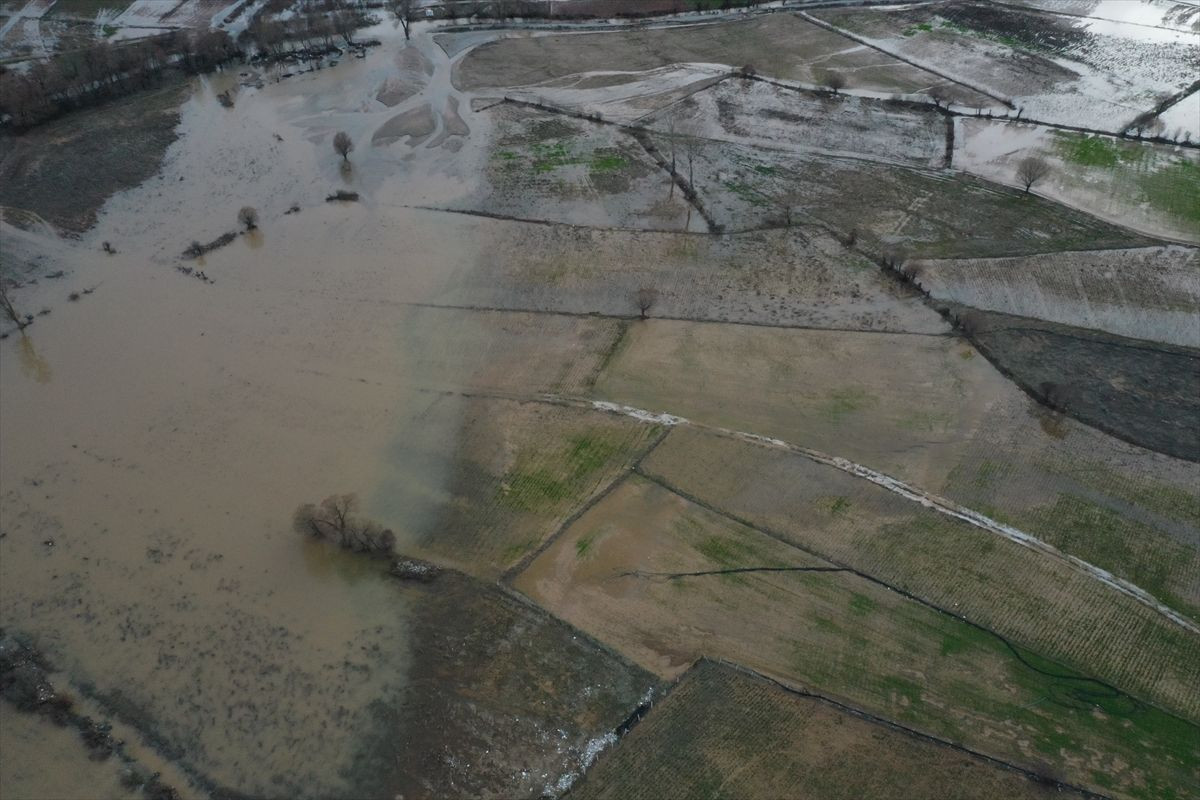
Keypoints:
pixel 1144 393
pixel 65 170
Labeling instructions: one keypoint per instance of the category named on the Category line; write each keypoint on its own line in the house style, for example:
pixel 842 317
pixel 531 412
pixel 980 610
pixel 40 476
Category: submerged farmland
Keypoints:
pixel 559 402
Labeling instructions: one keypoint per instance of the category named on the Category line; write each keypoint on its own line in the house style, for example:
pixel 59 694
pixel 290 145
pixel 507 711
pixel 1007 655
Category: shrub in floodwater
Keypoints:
pixel 248 217
pixel 343 145
pixel 335 520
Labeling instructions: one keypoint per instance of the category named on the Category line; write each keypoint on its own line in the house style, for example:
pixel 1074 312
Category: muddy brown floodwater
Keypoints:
pixel 159 432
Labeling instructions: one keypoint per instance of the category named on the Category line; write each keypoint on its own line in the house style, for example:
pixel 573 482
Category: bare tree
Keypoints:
pixel 7 307
pixel 335 520
pixel 1060 397
pixel 645 298
pixel 343 145
pixel 403 11
pixel 787 201
pixel 672 139
pixel 1031 170
pixel 939 95
pixel 345 23
pixel 895 257
pixel 248 217
pixel 832 80
pixel 972 322
pixel 692 145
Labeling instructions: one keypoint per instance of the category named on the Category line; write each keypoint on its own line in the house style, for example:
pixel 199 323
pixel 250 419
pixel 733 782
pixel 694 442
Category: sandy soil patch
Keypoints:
pixel 416 124
pixel 414 68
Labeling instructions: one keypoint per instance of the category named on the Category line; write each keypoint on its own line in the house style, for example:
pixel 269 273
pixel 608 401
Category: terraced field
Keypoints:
pixel 1041 602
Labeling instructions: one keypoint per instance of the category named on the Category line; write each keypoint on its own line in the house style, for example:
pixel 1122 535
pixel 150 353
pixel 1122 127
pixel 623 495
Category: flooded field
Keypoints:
pixel 539 314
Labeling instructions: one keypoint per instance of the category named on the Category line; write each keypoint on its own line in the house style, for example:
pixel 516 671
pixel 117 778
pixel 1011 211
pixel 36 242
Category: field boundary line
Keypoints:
pixel 696 320
pixel 516 569
pixel 908 595
pixel 669 421
pixel 790 688
pixel 820 23
pixel 895 485
pixel 908 492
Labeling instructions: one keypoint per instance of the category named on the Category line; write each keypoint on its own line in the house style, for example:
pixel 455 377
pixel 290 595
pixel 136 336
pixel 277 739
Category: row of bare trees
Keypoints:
pixel 585 9
pixel 276 37
pixel 102 71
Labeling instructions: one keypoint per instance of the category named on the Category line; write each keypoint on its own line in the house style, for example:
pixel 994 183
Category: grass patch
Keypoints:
pixel 534 490
pixel 1178 504
pixel 862 605
pixel 725 552
pixel 560 476
pixel 988 472
pixel 1095 151
pixel 845 401
pixel 748 193
pixel 513 552
pixel 603 161
pixel 1130 549
pixel 1174 189
pixel 584 544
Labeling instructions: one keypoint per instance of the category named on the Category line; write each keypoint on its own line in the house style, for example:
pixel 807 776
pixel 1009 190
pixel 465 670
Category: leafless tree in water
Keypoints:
pixel 402 9
pixel 343 145
pixel 248 217
pixel 1031 170
pixel 7 307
